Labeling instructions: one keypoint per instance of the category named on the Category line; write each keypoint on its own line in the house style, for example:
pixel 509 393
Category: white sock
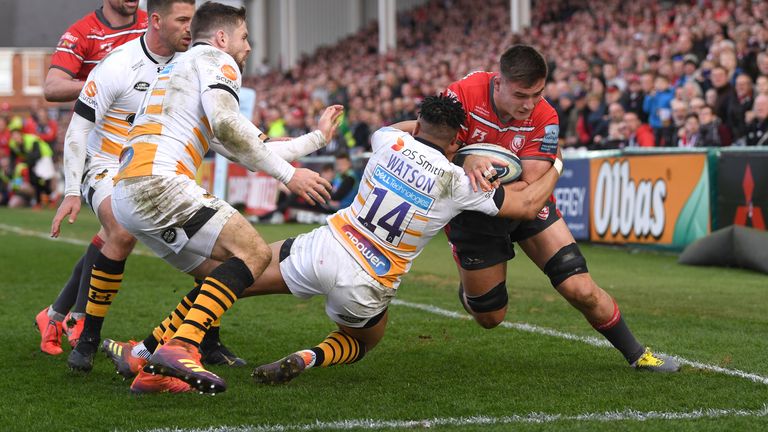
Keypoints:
pixel 139 350
pixel 52 314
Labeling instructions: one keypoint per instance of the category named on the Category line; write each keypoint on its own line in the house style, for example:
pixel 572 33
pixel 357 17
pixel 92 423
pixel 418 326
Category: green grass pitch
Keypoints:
pixel 430 370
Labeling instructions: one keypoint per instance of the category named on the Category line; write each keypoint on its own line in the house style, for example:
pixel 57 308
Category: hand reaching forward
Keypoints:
pixel 310 186
pixel 330 120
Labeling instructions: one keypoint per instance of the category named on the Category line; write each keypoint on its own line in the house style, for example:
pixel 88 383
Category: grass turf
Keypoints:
pixel 428 366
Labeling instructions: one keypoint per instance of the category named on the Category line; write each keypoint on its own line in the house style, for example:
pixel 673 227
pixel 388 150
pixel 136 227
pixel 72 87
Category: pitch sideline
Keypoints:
pixel 531 418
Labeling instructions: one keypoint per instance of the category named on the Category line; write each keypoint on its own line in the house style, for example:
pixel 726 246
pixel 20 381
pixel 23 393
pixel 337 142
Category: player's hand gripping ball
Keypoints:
pixel 505 174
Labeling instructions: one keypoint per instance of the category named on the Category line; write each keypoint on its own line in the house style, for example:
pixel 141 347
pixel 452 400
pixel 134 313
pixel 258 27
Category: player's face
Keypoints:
pixel 238 46
pixel 174 26
pixel 123 7
pixel 515 100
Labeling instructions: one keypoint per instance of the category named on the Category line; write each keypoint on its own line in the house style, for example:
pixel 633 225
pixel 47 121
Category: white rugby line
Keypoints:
pixel 532 418
pixel 47 236
pixel 530 328
pixel 590 340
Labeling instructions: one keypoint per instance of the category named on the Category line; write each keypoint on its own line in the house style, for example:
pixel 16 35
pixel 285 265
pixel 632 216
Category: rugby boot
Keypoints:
pixel 217 354
pixel 126 364
pixel 73 328
pixel 281 371
pixel 81 358
pixel 181 360
pixel 656 362
pixel 50 333
pixel 145 383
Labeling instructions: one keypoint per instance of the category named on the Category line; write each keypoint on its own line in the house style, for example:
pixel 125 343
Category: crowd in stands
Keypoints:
pixel 28 175
pixel 622 74
pixel 649 74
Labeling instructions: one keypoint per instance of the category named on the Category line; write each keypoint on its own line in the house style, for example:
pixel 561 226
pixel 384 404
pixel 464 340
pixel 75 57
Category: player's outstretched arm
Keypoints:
pixel 526 203
pixel 238 140
pixel 295 148
pixel 75 152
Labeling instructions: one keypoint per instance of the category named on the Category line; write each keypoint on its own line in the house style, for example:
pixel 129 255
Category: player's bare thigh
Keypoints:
pixel 240 239
pixel 118 242
pixel 544 245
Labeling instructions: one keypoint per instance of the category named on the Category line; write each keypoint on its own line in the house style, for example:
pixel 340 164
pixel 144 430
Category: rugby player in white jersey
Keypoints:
pixel 96 136
pixel 409 192
pixel 192 106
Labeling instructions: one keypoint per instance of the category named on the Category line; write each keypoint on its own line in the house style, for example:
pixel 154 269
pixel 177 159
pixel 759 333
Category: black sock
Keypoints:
pixel 211 339
pixel 622 338
pixel 68 295
pixel 85 279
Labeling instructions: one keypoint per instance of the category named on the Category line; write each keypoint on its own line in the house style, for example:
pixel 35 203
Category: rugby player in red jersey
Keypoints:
pixel 87 41
pixel 508 109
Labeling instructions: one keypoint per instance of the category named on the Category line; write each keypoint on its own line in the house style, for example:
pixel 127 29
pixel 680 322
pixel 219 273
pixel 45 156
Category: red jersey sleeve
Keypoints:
pixel 70 51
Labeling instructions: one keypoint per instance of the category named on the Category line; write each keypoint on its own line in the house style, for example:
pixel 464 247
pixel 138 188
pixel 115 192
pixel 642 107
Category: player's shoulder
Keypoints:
pixel 473 80
pixel 476 78
pixel 544 113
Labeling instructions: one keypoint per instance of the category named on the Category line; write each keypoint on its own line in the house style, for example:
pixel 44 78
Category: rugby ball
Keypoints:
pixel 506 174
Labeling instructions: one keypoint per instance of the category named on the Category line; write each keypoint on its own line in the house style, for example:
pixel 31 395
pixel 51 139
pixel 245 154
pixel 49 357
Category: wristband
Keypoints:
pixel 559 166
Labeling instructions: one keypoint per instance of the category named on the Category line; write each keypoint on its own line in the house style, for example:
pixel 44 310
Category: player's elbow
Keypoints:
pixel 52 90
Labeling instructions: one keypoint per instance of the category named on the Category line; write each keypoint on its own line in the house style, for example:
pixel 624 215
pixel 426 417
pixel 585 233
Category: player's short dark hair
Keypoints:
pixel 212 16
pixel 161 6
pixel 523 64
pixel 442 110
pixel 441 115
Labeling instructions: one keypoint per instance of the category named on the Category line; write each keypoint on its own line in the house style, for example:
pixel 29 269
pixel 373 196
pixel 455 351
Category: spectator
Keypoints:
pixel 6 179
pixel 22 191
pixel 712 132
pixel 689 135
pixel 657 103
pixel 761 85
pixel 37 156
pixel 615 128
pixel 5 136
pixel 45 127
pixel 757 129
pixel 638 134
pixel 344 184
pixel 727 105
pixel 633 98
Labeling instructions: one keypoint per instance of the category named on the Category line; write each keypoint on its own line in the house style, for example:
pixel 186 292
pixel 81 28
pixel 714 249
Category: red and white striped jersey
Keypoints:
pixel 90 39
pixel 531 138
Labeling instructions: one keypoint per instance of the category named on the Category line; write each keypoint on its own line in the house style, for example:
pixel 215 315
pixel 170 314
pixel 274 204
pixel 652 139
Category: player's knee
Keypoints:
pixel 490 308
pixel 256 254
pixel 567 262
pixel 581 292
pixel 122 240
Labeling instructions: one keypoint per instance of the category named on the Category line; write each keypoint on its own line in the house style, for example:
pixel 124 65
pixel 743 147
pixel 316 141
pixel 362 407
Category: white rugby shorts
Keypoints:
pixel 319 265
pixel 179 220
pixel 97 182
